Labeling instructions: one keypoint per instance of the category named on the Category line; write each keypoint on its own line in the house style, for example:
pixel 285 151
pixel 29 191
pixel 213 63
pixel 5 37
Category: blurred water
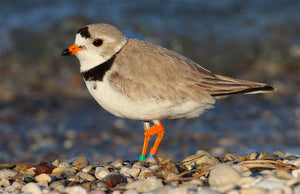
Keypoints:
pixel 46 112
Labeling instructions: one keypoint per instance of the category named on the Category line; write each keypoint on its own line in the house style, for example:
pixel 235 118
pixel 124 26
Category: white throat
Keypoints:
pixel 89 60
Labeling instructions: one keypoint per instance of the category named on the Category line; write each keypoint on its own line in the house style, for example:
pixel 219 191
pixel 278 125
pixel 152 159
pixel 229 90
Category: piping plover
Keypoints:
pixel 137 80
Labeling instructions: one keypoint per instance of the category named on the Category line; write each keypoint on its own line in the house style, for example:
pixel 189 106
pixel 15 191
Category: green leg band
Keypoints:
pixel 142 158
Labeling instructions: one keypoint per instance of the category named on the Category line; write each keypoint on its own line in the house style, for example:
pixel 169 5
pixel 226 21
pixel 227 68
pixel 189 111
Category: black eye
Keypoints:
pixel 98 42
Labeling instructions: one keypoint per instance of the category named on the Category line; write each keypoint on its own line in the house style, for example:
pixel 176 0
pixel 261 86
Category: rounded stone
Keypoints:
pixel 101 172
pixel 296 173
pixel 87 169
pixel 283 174
pixel 5 173
pixel 223 174
pixel 253 190
pixel 59 170
pixel 32 188
pixel 75 189
pixel 124 169
pixel 243 170
pixel 151 160
pixel 85 176
pixel 79 162
pixel 17 184
pixel 134 172
pixel 146 185
pixel 44 177
pixel 225 188
pixel 4 182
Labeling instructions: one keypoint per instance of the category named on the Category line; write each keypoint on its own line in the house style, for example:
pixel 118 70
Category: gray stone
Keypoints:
pixel 283 174
pixel 101 172
pixel 297 189
pixel 85 176
pixel 32 188
pixel 79 162
pixel 134 172
pixel 206 190
pixel 226 187
pixel 253 191
pixel 131 191
pixel 75 190
pixel 270 183
pixel 146 185
pixel 5 173
pixel 44 177
pixel 223 174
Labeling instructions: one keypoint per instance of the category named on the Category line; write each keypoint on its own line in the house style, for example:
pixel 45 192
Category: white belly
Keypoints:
pixel 146 110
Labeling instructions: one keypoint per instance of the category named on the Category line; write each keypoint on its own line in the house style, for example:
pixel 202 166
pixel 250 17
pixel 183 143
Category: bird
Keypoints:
pixel 137 80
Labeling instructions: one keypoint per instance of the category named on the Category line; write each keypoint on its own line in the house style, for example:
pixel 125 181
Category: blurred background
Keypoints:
pixel 47 113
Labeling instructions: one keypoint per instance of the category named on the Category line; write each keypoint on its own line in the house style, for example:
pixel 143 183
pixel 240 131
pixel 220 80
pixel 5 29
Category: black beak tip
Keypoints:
pixel 66 52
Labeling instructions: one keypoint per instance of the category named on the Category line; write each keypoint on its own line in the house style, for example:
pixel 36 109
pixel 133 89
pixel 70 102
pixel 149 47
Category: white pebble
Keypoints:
pixel 297 189
pixel 134 172
pixel 101 172
pixel 205 190
pixel 226 187
pixel 75 190
pixel 146 185
pixel 44 177
pixel 32 188
pixel 4 182
pixel 124 169
pixel 253 190
pixel 180 190
pixel 5 173
pixel 296 173
pixel 270 183
pixel 131 191
pixel 222 174
pixel 243 170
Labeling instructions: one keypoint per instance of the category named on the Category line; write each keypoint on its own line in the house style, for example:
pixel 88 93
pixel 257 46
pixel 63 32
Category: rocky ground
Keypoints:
pixel 46 113
pixel 200 173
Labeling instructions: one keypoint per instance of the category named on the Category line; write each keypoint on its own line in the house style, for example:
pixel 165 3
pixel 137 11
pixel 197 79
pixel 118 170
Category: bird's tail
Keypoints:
pixel 221 86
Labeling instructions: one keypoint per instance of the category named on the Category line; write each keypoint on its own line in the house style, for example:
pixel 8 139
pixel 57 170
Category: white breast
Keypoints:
pixel 120 105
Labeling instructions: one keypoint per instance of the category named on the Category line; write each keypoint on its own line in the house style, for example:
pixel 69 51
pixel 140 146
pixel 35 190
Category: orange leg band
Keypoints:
pixel 155 129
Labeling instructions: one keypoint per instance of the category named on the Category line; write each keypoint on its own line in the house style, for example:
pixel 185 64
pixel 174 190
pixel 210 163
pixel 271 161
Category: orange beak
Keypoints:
pixel 72 50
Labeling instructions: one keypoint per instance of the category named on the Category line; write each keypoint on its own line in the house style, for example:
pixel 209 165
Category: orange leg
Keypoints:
pixel 155 129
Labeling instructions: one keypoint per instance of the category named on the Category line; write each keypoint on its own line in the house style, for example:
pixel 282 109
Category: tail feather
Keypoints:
pixel 219 86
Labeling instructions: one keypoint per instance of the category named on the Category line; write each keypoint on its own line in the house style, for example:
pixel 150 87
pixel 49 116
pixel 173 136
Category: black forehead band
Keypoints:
pixel 84 32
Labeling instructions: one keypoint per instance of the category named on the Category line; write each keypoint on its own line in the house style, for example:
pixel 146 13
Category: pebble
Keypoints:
pixel 296 173
pixel 283 174
pixel 75 190
pixel 253 191
pixel 226 187
pixel 60 170
pixel 43 168
pixel 85 176
pixel 32 188
pixel 5 173
pixel 101 172
pixel 4 182
pixel 147 185
pixel 243 170
pixel 223 174
pixel 24 168
pixel 238 175
pixel 79 162
pixel 44 177
pixel 124 169
pixel 134 172
pixel 151 160
pixel 270 183
pixel 297 189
